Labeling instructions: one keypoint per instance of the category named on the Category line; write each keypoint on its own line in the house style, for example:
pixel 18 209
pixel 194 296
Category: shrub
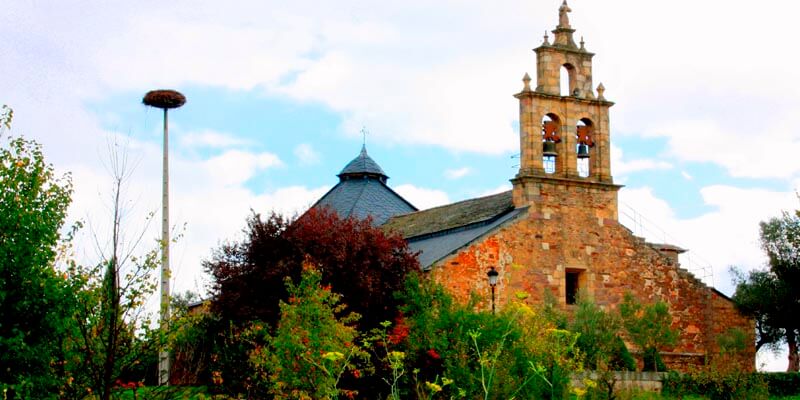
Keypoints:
pixel 514 354
pixel 649 328
pixel 782 383
pixel 313 345
pixel 717 385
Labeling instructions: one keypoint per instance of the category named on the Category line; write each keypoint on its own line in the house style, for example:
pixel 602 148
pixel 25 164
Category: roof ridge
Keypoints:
pixel 357 199
pixel 456 203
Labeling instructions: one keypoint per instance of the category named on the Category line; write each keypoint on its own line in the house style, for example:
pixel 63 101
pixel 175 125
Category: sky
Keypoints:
pixel 703 134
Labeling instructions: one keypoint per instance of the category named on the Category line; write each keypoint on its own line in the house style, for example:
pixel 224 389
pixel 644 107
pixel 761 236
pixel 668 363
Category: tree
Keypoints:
pixel 111 339
pixel 600 337
pixel 360 262
pixel 35 305
pixel 648 327
pixel 770 296
pixel 357 260
pixel 313 346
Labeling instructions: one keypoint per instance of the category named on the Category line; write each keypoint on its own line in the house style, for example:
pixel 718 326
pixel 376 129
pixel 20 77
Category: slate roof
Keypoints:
pixel 363 165
pixel 451 216
pixel 362 192
pixel 441 231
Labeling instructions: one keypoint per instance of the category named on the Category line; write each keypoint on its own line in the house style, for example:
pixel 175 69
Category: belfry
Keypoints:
pixel 563 136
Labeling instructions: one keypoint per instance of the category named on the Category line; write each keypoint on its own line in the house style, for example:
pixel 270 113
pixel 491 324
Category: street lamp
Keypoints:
pixel 492 274
pixel 164 99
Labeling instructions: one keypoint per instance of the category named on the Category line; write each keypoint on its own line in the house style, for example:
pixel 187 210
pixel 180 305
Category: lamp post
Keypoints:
pixel 164 99
pixel 492 274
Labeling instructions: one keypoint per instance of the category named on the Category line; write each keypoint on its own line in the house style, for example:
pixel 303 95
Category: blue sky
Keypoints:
pixel 703 131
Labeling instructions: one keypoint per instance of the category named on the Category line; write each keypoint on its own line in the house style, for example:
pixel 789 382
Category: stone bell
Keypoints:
pixel 583 151
pixel 549 149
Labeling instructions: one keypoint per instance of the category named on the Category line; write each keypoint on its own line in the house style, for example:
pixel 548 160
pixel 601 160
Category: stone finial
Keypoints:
pixel 583 48
pixel 563 18
pixel 527 81
pixel 600 90
pixel 546 39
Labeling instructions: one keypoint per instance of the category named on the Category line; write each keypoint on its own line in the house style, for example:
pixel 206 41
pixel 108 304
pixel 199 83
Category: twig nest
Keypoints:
pixel 164 99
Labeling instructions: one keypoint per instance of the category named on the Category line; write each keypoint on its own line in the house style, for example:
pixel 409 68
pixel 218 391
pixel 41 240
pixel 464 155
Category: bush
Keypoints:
pixel 731 385
pixel 782 383
pixel 514 354
pixel 313 346
pixel 621 358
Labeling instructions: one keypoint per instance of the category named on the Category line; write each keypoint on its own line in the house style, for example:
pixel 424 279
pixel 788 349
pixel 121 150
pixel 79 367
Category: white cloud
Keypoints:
pixel 625 167
pixel 306 154
pixel 687 176
pixel 235 167
pixel 500 189
pixel 422 198
pixel 212 139
pixel 449 88
pixel 772 153
pixel 457 173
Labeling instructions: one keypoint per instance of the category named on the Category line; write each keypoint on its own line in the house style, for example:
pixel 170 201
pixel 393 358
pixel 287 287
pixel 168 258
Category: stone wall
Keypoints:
pixel 571 226
pixel 625 380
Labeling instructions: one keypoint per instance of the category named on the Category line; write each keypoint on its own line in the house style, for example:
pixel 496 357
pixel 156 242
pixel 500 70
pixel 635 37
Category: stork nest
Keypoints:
pixel 164 99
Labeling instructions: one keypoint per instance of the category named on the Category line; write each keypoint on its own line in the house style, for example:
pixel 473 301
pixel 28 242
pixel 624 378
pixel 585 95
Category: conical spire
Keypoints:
pixel 363 166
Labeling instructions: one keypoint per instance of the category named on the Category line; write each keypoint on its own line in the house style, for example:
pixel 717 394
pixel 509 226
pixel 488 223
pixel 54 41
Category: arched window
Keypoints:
pixel 567 78
pixel 584 143
pixel 550 129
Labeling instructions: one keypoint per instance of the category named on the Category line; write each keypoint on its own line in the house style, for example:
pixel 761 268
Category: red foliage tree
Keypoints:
pixel 359 261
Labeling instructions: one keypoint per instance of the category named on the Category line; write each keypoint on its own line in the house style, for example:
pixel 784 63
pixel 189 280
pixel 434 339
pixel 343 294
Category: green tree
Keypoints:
pixel 598 330
pixel 35 305
pixel 648 327
pixel 770 296
pixel 313 346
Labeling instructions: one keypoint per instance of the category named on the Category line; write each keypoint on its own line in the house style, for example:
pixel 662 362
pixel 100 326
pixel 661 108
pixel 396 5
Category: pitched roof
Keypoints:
pixel 433 248
pixel 451 216
pixel 441 231
pixel 362 192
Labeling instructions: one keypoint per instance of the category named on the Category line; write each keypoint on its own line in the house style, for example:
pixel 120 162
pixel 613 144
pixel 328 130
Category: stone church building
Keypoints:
pixel 557 230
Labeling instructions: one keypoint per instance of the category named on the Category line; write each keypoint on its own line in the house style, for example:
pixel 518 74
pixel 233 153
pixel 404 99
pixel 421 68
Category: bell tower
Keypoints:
pixel 564 126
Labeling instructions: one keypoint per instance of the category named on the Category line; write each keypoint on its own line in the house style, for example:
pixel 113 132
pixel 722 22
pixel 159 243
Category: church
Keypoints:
pixel 557 230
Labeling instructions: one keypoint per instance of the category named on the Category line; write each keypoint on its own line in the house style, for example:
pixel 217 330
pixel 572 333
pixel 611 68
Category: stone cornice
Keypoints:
pixel 541 95
pixel 566 49
pixel 557 180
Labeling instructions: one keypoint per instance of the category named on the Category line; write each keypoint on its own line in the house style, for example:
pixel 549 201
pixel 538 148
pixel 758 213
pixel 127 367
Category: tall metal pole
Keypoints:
pixel 164 99
pixel 163 354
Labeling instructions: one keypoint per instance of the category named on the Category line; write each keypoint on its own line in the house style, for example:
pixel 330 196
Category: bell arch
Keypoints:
pixel 584 133
pixel 551 136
